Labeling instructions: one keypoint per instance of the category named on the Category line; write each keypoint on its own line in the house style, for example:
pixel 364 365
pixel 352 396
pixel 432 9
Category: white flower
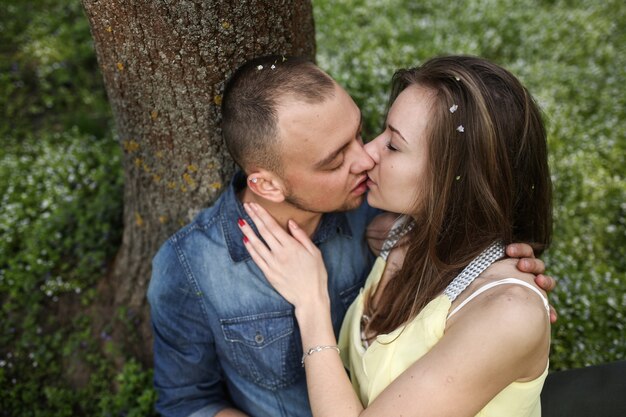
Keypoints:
pixel 453 108
pixel 460 128
pixel 457 78
pixel 260 67
pixel 273 66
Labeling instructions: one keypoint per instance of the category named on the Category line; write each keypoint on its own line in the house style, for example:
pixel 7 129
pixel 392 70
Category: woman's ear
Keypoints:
pixel 267 185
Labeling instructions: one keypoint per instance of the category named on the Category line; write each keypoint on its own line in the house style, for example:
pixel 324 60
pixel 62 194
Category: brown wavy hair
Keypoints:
pixel 490 182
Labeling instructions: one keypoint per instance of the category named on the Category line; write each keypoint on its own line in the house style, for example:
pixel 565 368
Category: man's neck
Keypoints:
pixel 283 212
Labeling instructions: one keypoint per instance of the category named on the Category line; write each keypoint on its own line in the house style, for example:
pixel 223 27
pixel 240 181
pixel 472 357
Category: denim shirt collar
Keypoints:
pixel 331 224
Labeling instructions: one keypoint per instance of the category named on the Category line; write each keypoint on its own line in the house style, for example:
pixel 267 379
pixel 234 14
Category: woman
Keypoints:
pixel 445 324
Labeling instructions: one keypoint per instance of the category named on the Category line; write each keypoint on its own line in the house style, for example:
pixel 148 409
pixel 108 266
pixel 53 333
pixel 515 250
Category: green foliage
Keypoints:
pixel 60 220
pixel 48 69
pixel 135 387
pixel 571 56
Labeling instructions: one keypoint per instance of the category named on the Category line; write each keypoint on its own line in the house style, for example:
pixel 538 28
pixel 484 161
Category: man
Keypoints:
pixel 226 343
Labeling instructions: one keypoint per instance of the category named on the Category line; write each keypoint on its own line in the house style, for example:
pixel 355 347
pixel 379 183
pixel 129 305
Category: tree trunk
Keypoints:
pixel 164 65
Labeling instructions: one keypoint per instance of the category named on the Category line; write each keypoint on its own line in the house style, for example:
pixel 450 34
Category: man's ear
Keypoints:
pixel 267 185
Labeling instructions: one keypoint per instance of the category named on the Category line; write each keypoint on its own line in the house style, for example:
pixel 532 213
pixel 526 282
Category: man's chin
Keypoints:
pixel 352 204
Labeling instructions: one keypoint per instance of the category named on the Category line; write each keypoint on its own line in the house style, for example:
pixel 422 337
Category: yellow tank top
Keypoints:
pixel 372 370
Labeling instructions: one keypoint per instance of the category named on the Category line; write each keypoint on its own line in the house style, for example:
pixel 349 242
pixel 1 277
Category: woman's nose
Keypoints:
pixel 372 148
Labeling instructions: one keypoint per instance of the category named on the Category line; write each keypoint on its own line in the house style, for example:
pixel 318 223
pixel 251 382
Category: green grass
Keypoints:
pixel 60 174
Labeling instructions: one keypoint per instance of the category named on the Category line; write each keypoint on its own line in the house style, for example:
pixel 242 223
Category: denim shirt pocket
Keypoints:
pixel 265 348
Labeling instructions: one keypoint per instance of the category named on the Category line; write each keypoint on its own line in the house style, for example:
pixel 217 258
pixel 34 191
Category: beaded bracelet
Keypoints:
pixel 317 349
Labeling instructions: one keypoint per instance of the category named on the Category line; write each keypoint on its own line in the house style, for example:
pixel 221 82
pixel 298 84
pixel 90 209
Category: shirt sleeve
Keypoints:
pixel 187 376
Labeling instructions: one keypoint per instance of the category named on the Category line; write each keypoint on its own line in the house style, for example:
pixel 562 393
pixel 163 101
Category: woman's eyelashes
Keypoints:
pixel 390 146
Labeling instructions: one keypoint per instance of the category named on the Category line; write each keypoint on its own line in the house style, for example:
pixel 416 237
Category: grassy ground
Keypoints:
pixel 60 179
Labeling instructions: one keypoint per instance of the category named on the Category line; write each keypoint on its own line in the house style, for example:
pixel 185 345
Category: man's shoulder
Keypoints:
pixel 205 224
pixel 204 231
pixel 183 253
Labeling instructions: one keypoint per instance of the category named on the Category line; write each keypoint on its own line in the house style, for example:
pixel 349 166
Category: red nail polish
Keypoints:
pixel 241 222
pixel 245 239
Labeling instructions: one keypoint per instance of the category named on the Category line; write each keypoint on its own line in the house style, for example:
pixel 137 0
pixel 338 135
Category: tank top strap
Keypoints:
pixel 400 227
pixel 511 281
pixel 490 255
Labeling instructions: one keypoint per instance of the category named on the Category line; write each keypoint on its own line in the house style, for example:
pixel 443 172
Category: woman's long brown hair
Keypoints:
pixel 489 182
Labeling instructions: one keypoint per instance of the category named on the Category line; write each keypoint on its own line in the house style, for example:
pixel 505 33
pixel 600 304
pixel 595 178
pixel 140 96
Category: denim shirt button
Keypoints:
pixel 259 338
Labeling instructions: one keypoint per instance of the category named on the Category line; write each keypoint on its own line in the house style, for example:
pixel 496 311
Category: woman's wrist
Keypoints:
pixel 314 322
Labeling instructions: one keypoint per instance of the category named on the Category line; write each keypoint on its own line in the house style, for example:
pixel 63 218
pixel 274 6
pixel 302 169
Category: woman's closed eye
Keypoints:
pixel 390 146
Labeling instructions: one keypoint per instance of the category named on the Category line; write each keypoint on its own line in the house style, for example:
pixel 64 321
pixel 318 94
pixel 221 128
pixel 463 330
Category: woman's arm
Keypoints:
pixel 294 266
pixel 500 337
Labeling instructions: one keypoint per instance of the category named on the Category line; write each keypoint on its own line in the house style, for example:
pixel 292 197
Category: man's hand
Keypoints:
pixel 528 263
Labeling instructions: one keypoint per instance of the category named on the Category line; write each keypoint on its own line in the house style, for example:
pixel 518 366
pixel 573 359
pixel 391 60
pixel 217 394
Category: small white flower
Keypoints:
pixel 453 108
pixel 458 177
pixel 460 128
pixel 260 67
pixel 273 66
pixel 457 78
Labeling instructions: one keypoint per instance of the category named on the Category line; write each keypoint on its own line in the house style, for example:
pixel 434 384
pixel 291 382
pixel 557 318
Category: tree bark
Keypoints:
pixel 164 64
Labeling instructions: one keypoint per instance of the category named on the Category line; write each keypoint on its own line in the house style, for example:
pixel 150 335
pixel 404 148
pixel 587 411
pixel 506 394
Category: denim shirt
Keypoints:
pixel 223 337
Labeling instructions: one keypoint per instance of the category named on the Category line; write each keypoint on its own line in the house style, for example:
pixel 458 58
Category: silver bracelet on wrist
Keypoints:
pixel 317 349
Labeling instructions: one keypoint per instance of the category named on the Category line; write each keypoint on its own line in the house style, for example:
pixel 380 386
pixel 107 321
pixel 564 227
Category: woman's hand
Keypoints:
pixel 290 262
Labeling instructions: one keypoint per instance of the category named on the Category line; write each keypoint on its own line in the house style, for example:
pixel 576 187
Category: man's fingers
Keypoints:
pixel 520 250
pixel 531 265
pixel 553 316
pixel 545 282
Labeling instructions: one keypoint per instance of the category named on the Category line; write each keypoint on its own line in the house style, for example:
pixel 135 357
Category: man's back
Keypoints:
pixel 223 336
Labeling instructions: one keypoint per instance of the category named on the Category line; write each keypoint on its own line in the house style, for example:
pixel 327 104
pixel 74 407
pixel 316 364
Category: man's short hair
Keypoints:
pixel 250 105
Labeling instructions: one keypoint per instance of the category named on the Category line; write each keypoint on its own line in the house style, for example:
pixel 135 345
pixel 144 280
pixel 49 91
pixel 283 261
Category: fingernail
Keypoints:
pixel 241 222
pixel 293 224
pixel 245 239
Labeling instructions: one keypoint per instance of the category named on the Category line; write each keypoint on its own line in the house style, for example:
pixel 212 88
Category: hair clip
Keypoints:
pixel 453 108
pixel 460 128
pixel 260 67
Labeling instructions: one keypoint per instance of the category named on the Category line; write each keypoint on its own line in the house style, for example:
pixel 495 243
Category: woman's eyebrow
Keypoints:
pixel 394 130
